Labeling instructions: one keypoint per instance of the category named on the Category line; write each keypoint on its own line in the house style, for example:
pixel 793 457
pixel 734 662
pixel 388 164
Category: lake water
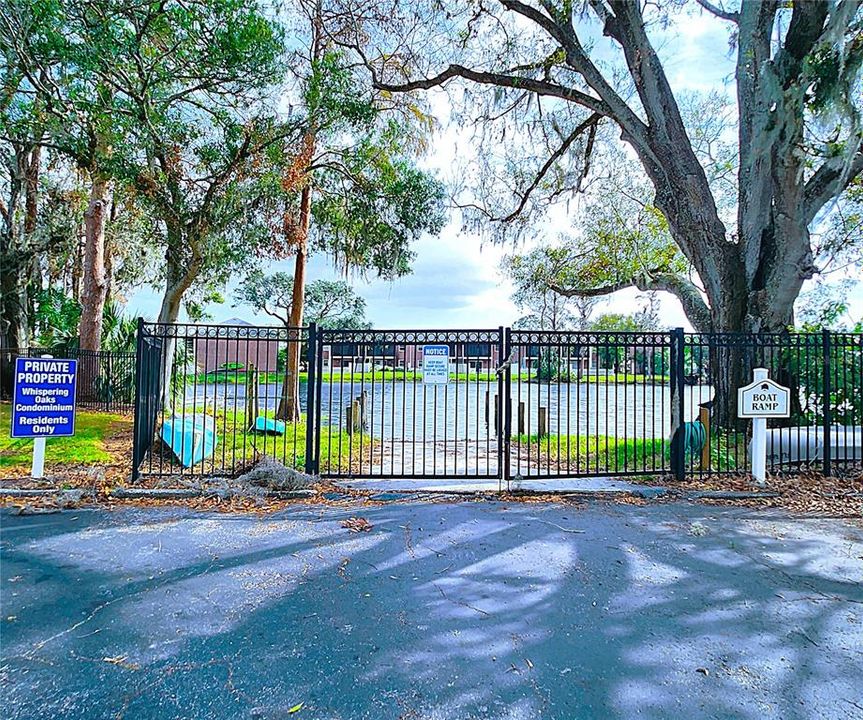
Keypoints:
pixel 445 429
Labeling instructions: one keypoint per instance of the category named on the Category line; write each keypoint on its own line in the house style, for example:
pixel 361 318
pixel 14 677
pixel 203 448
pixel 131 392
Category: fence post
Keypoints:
pixel 252 406
pixel 678 447
pixel 311 397
pixel 319 381
pixel 507 417
pixel 500 408
pixel 828 411
pixel 139 376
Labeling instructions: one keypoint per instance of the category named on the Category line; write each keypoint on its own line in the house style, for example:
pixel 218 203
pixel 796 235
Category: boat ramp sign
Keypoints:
pixel 763 398
pixel 435 364
pixel 44 399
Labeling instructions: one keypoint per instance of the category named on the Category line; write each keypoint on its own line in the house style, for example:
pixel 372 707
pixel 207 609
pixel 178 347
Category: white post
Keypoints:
pixel 37 469
pixel 759 439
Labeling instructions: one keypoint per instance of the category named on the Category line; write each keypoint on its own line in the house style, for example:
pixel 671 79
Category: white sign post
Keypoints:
pixel 761 399
pixel 38 466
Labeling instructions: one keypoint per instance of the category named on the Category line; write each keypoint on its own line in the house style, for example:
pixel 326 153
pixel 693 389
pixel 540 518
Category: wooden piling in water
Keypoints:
pixel 252 404
pixel 542 429
pixel 355 414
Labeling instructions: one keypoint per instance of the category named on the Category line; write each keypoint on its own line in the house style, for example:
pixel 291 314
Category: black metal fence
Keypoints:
pixel 214 399
pixel 106 378
pixel 824 372
pixel 511 404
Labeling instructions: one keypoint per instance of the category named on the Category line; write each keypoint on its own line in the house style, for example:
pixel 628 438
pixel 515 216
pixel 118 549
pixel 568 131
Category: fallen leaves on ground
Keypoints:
pixel 804 492
pixel 357 524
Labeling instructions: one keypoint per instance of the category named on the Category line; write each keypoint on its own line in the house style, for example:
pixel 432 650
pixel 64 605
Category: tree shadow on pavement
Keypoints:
pixel 469 610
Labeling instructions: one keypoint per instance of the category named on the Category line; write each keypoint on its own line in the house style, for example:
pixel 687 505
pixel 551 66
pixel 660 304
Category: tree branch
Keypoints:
pixel 718 11
pixel 561 29
pixel 593 292
pixel 273 313
pixel 540 87
pixel 804 29
pixel 590 124
pixel 828 182
pixel 697 311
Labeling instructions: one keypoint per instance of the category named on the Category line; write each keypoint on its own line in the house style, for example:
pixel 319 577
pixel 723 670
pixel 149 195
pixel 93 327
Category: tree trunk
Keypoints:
pixel 94 286
pixel 749 310
pixel 178 281
pixel 168 314
pixel 93 289
pixel 13 329
pixel 16 254
pixel 78 264
pixel 109 260
pixel 289 403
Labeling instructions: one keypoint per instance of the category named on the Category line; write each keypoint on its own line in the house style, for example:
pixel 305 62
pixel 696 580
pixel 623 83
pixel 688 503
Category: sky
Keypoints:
pixel 456 280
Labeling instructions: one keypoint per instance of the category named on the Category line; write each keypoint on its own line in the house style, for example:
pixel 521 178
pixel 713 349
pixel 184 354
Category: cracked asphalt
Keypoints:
pixel 461 610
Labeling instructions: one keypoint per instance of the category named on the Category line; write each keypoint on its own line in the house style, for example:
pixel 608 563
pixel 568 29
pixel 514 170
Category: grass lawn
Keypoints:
pixel 624 379
pixel 88 446
pixel 598 453
pixel 594 453
pixel 237 447
pixel 235 377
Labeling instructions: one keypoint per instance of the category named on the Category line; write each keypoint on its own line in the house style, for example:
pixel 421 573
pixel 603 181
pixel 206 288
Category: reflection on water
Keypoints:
pixel 413 411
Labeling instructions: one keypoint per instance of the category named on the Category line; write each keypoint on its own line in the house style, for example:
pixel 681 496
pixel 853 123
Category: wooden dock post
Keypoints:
pixel 252 405
pixel 355 414
pixel 542 429
pixel 704 416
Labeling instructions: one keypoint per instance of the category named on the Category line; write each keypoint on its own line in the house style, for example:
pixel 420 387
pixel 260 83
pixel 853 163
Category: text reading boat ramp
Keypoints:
pixel 44 400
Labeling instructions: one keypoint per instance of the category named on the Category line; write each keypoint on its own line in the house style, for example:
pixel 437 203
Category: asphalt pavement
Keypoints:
pixel 441 610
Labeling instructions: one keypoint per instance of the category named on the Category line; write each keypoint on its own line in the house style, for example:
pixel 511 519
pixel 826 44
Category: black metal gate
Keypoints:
pixel 590 404
pixel 378 417
pixel 212 400
pixel 148 395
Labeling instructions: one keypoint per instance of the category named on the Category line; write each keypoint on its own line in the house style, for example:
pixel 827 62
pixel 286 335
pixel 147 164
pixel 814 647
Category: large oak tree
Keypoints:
pixel 557 72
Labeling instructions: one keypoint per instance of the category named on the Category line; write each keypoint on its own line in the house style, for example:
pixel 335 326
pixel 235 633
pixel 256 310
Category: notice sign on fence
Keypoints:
pixel 435 364
pixel 44 399
pixel 763 398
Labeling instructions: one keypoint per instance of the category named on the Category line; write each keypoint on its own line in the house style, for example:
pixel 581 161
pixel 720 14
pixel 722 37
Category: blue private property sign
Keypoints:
pixel 44 399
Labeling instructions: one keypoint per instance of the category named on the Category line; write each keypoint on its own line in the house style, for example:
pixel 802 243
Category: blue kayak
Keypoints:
pixel 192 438
pixel 268 425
